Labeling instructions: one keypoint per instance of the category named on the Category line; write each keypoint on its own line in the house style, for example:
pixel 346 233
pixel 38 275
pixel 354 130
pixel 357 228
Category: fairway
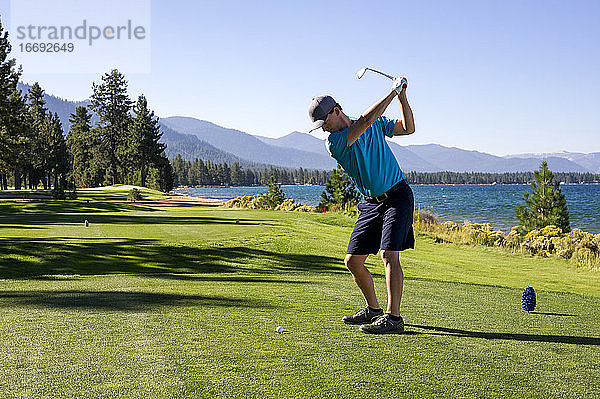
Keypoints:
pixel 157 301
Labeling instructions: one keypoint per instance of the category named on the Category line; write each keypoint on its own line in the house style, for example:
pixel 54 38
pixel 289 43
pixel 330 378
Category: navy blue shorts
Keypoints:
pixel 386 226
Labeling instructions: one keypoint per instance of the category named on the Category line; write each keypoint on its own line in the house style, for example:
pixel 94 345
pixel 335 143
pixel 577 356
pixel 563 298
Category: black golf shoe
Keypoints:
pixel 383 325
pixel 363 316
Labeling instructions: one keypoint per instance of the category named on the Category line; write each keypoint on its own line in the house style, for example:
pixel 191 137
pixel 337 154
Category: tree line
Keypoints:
pixel 206 173
pixel 121 147
pixel 490 178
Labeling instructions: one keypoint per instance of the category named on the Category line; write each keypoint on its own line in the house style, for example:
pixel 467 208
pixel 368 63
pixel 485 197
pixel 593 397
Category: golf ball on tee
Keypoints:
pixel 279 329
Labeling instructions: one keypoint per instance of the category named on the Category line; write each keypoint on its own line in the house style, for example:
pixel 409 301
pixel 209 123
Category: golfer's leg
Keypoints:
pixel 362 278
pixel 394 278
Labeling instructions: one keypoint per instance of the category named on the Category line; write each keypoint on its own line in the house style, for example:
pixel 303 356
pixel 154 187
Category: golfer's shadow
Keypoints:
pixel 563 339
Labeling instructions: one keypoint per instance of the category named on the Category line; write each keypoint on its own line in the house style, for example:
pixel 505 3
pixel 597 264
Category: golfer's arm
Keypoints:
pixel 407 126
pixel 368 118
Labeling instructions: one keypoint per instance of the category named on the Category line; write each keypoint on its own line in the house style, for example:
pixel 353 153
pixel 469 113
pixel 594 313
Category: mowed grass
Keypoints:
pixel 153 301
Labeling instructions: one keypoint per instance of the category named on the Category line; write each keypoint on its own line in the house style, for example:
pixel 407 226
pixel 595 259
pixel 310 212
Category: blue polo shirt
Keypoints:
pixel 369 161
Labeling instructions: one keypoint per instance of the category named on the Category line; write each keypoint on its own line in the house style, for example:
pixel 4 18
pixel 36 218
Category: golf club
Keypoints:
pixel 361 73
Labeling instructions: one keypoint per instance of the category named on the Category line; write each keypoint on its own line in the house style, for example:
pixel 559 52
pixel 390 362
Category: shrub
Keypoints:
pixel 514 239
pixel 258 202
pixel 134 195
pixel 58 193
pixel 273 197
pixel 424 218
pixel 340 193
pixel 583 248
pixel 290 205
pixel 73 193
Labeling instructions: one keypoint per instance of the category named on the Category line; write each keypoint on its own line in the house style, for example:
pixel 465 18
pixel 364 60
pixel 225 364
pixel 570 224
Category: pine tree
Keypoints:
pixel 546 205
pixel 160 176
pixel 13 114
pixel 180 171
pixel 84 148
pixel 36 108
pixel 144 149
pixel 111 103
pixel 339 191
pixel 58 157
pixel 273 197
pixel 224 175
pixel 237 175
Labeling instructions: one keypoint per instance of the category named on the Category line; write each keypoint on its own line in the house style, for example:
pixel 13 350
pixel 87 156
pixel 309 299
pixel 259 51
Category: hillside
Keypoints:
pixel 247 146
pixel 195 138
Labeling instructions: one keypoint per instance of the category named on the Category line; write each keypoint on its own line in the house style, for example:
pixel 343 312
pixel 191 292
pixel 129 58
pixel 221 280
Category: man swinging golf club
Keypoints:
pixel 385 219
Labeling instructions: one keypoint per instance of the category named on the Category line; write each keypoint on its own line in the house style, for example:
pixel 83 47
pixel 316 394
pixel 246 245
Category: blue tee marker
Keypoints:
pixel 528 300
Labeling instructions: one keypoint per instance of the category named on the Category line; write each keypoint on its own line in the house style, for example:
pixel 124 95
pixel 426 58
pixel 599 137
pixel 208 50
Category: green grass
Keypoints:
pixel 91 194
pixel 153 301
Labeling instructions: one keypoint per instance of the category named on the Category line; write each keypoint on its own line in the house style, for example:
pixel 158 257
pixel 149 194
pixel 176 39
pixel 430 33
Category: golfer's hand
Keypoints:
pixel 399 85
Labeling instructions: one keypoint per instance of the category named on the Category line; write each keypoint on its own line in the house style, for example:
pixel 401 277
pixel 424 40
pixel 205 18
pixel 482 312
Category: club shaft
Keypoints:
pixel 381 73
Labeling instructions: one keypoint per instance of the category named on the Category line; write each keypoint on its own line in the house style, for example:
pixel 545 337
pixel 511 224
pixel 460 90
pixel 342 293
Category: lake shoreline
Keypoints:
pixel 475 203
pixel 412 184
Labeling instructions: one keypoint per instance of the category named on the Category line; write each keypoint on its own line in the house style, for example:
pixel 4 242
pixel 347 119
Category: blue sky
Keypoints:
pixel 495 76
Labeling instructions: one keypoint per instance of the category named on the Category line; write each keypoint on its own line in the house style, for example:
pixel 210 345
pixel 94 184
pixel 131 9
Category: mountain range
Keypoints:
pixel 195 138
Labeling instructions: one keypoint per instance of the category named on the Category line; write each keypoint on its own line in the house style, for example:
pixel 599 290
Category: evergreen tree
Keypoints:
pixel 13 114
pixel 546 205
pixel 273 197
pixel 224 175
pixel 144 150
pixel 180 171
pixel 38 143
pixel 339 191
pixel 250 178
pixel 84 148
pixel 237 175
pixel 111 103
pixel 160 175
pixel 58 158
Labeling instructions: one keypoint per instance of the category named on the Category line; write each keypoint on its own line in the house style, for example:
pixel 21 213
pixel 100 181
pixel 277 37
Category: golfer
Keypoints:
pixel 385 219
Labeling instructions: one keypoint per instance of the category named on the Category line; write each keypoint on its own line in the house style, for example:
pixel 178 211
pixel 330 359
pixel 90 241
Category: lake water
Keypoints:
pixel 492 204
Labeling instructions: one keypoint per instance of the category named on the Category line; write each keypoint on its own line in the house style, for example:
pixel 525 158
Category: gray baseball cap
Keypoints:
pixel 318 110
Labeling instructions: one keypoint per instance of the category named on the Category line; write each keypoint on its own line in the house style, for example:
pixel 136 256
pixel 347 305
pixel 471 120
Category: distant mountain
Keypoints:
pixel 247 146
pixel 589 161
pixel 459 160
pixel 299 141
pixel 436 158
pixel 191 147
pixel 194 138
pixel 310 143
pixel 410 161
pixel 63 108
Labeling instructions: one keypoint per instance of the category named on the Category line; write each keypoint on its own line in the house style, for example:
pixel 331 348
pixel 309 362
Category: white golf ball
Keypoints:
pixel 279 329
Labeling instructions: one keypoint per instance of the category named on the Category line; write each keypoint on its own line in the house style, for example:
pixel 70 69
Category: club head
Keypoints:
pixel 360 73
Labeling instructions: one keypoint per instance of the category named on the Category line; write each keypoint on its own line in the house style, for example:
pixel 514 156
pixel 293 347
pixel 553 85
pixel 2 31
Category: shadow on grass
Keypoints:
pixel 34 257
pixel 17 226
pixel 50 207
pixel 117 300
pixel 563 339
pixel 227 279
pixel 437 280
pixel 63 214
pixel 555 314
